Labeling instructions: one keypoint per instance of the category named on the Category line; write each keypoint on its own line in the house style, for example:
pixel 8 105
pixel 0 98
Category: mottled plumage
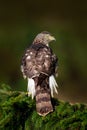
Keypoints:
pixel 39 66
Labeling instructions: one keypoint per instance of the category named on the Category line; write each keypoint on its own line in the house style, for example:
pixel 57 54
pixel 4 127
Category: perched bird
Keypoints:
pixel 39 67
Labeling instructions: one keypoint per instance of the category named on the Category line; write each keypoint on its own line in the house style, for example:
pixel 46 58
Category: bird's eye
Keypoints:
pixel 47 36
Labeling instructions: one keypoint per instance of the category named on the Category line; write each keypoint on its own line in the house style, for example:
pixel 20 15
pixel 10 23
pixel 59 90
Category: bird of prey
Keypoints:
pixel 39 65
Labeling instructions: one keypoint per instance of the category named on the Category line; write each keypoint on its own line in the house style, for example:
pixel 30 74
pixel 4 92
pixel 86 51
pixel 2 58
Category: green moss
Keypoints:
pixel 18 112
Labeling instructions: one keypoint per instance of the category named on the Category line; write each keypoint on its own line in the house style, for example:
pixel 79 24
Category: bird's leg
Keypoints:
pixel 28 93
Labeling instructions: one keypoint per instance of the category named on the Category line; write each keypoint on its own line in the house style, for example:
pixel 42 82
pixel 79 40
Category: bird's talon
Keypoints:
pixel 28 93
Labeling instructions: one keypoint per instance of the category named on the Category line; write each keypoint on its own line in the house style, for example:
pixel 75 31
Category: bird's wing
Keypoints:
pixel 38 59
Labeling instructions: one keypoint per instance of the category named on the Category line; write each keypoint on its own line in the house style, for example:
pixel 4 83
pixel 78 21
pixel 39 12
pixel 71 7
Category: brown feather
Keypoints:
pixel 39 63
pixel 43 98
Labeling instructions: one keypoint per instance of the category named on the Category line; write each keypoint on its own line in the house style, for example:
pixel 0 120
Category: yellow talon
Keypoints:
pixel 28 93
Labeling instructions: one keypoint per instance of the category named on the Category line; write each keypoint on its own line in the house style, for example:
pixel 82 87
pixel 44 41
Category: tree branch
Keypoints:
pixel 18 112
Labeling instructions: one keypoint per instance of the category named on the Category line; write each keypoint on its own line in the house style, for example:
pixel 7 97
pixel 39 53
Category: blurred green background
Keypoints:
pixel 21 21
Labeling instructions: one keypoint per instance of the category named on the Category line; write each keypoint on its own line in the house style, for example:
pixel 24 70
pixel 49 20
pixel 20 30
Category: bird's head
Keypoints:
pixel 44 38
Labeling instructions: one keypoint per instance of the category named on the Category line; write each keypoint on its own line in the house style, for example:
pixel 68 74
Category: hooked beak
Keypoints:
pixel 52 38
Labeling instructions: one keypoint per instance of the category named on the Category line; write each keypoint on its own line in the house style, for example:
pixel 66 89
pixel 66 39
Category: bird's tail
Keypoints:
pixel 43 98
